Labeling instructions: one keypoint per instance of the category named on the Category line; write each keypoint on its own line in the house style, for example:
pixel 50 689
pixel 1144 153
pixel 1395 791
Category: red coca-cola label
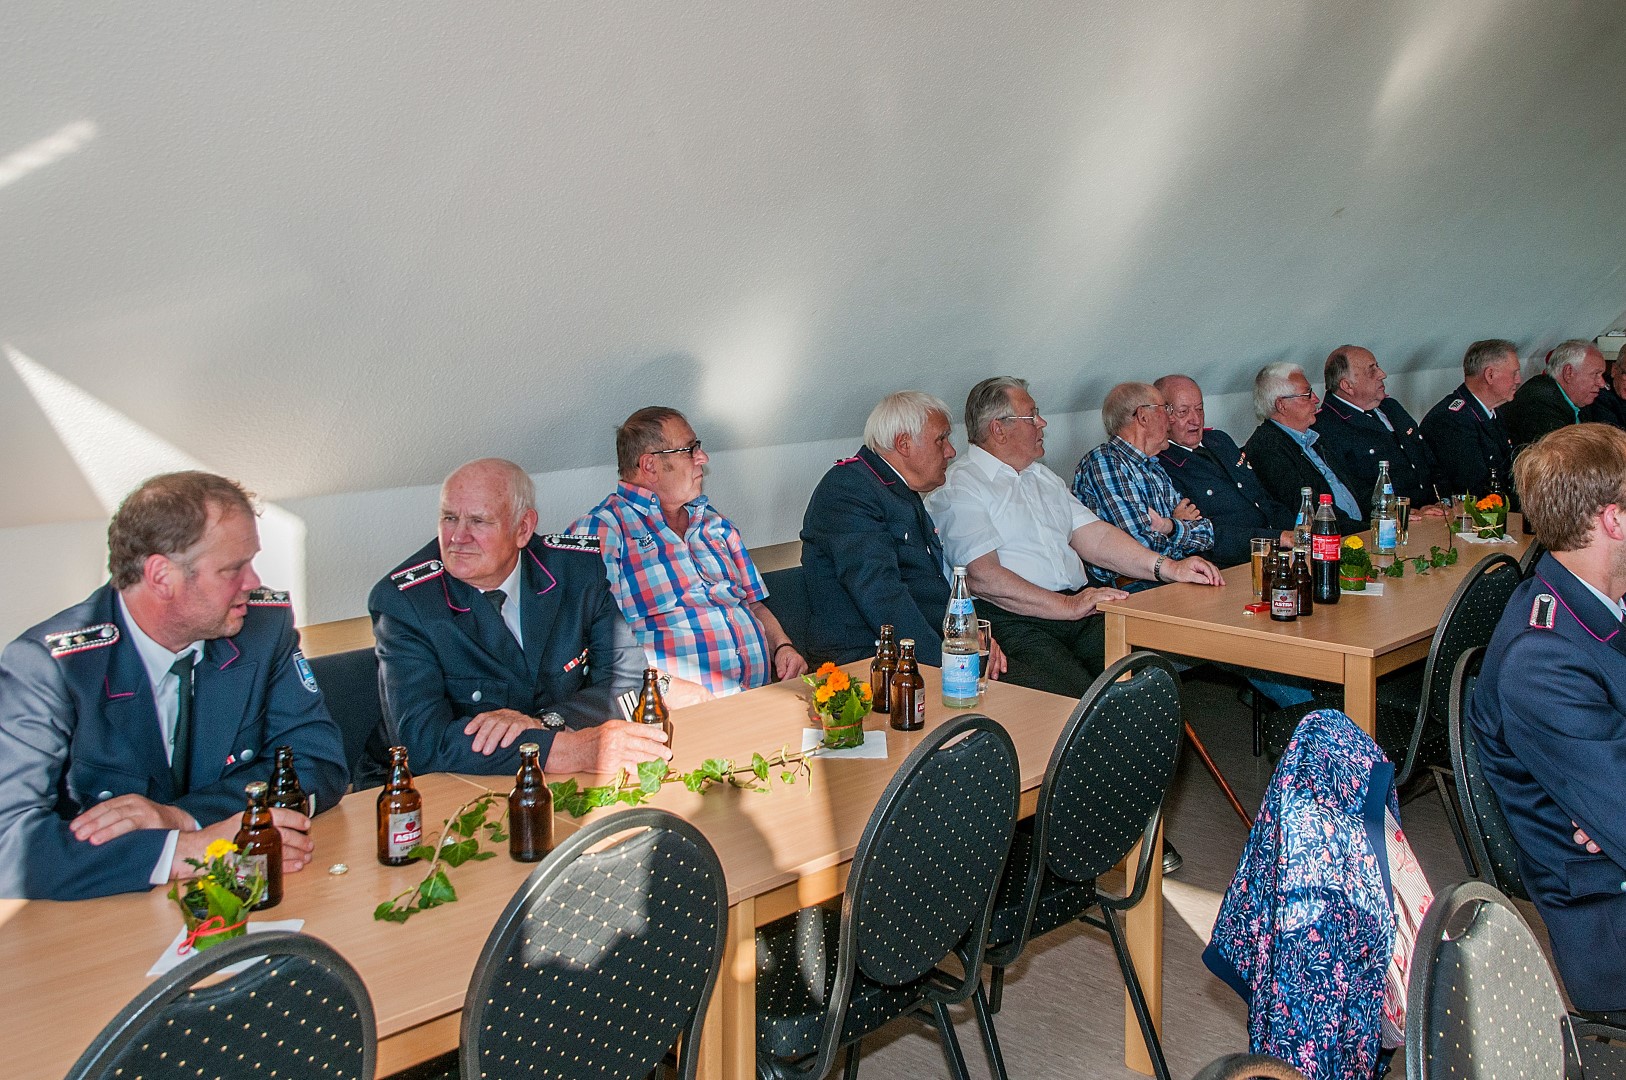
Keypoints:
pixel 1325 548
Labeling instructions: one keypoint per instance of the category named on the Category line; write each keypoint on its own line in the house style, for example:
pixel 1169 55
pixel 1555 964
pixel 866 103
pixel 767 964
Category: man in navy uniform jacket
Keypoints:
pixel 1465 430
pixel 130 723
pixel 870 551
pixel 1209 469
pixel 491 632
pixel 1360 425
pixel 1283 449
pixel 1549 711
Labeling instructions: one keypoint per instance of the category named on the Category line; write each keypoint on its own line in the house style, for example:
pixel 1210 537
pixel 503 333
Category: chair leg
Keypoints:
pixel 996 990
pixel 1445 783
pixel 1213 770
pixel 850 1071
pixel 1137 997
pixel 990 1037
pixel 1258 724
pixel 951 1042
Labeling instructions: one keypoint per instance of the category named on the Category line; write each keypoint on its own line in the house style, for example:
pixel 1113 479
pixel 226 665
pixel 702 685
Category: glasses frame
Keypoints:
pixel 1168 410
pixel 691 449
pixel 1034 419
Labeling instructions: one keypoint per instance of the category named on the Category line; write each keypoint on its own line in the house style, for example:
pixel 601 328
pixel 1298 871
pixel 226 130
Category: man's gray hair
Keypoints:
pixel 1336 369
pixel 521 489
pixel 1482 354
pixel 1118 410
pixel 1568 354
pixel 903 413
pixel 1273 382
pixel 988 401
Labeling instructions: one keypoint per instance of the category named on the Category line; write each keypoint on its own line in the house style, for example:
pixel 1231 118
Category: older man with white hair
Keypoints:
pixel 1554 399
pixel 1282 448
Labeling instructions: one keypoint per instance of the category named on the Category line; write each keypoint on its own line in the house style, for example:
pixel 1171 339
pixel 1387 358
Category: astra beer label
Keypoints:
pixel 406 830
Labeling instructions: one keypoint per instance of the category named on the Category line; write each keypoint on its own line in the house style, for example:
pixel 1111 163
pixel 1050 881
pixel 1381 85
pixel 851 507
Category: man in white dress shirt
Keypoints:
pixel 1024 539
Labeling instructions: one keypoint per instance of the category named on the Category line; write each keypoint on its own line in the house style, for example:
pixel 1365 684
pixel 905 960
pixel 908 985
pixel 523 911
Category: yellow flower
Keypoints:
pixel 219 849
pixel 1353 543
pixel 823 695
pixel 826 670
pixel 839 681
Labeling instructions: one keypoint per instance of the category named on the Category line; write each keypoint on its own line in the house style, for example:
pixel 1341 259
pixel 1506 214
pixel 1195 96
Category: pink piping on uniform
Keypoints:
pixel 1574 616
pixel 865 464
pixel 448 593
pixel 108 686
pixel 235 653
pixel 552 581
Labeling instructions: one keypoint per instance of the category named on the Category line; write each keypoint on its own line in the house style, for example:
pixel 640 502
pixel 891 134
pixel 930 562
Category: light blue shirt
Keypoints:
pixel 1340 494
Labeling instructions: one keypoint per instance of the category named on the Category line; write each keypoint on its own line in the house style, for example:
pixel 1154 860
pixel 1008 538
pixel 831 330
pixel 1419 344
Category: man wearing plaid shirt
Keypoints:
pixel 1123 482
pixel 679 569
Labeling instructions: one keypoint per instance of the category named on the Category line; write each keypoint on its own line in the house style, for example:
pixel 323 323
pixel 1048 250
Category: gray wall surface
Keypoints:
pixel 334 250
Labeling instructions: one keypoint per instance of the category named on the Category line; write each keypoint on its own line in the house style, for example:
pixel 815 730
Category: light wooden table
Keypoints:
pixel 1350 643
pixel 780 851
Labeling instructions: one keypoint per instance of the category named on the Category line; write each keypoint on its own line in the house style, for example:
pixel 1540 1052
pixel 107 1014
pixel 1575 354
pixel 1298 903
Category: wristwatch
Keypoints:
pixel 552 721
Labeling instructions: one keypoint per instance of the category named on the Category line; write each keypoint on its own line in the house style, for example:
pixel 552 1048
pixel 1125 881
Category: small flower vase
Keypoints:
pixel 838 734
pixel 212 913
pixel 1490 521
pixel 1351 578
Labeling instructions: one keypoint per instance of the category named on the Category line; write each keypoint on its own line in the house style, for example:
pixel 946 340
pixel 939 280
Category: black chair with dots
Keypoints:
pixel 298 1009
pixel 919 892
pixel 1485 841
pixel 1102 794
pixel 603 959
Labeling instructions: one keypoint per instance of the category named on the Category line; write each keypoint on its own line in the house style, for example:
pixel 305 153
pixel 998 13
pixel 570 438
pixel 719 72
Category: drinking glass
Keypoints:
pixel 1402 519
pixel 985 641
pixel 1464 519
pixel 1260 552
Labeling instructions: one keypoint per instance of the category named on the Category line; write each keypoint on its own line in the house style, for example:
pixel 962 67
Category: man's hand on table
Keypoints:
pixel 1431 510
pixel 497 729
pixel 996 659
pixel 1199 571
pixel 788 664
pixel 1082 604
pixel 682 692
pixel 297 847
pixel 127 813
pixel 610 747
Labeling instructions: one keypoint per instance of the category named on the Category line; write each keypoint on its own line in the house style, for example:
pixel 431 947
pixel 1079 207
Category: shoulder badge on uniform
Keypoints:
pixel 1456 404
pixel 67 642
pixel 1543 611
pixel 572 542
pixel 306 675
pixel 417 575
pixel 269 598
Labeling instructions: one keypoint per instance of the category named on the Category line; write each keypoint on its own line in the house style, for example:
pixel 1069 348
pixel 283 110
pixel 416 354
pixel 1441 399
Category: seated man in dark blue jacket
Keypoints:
pixel 1209 469
pixel 1549 710
pixel 492 632
pixel 130 723
pixel 1361 425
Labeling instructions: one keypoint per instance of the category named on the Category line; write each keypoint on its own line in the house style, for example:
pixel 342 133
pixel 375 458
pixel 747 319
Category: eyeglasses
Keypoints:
pixel 1291 397
pixel 1034 419
pixel 1186 410
pixel 691 449
pixel 1167 409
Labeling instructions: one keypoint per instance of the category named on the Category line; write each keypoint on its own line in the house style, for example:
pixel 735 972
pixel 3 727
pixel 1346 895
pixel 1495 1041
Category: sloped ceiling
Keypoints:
pixel 342 247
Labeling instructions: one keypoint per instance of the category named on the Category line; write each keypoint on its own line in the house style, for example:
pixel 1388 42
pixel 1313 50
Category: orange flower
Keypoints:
pixel 1489 502
pixel 823 695
pixel 839 680
pixel 826 670
pixel 865 692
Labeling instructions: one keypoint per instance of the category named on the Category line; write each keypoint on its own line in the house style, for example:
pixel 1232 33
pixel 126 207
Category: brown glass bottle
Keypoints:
pixel 400 813
pixel 651 708
pixel 259 845
pixel 530 809
pixel 1284 590
pixel 1304 582
pixel 285 790
pixel 881 669
pixel 908 690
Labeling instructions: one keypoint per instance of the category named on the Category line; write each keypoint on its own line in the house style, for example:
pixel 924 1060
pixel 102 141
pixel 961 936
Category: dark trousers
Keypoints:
pixel 1059 657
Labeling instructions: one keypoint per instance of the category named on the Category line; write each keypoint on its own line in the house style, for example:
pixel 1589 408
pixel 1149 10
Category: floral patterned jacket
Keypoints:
pixel 1306 929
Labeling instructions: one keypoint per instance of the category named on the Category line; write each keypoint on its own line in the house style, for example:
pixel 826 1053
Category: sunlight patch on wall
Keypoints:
pixel 54 147
pixel 114 453
pixel 748 366
pixel 1443 38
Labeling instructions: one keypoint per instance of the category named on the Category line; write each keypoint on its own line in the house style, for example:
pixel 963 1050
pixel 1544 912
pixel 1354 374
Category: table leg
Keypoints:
pixel 1143 928
pixel 728 1041
pixel 1117 633
pixel 1361 692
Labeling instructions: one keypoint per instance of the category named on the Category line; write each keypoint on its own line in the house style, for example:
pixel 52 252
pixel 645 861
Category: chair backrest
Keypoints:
pixel 349 682
pixel 789 602
pixel 1110 769
pixel 1496 856
pixel 297 1010
pixel 1531 556
pixel 602 959
pixel 1481 1000
pixel 1469 620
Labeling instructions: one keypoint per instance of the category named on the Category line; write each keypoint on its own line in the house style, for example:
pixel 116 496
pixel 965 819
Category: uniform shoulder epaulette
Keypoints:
pixel 67 642
pixel 1543 612
pixel 427 570
pixel 1456 404
pixel 572 542
pixel 269 598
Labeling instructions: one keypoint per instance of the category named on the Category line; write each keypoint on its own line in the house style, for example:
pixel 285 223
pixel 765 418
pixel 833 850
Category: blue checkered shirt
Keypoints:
pixel 1121 484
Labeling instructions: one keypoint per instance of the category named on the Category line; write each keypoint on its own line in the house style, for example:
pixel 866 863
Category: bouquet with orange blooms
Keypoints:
pixel 1489 516
pixel 840 704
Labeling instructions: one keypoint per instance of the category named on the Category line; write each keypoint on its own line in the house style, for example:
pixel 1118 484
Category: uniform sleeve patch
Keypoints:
pixel 572 542
pixel 269 598
pixel 306 675
pixel 1543 611
pixel 1456 404
pixel 67 642
pixel 417 575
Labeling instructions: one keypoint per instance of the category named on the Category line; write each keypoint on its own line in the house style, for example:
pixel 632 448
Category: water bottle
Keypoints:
pixel 960 645
pixel 1385 524
pixel 1304 524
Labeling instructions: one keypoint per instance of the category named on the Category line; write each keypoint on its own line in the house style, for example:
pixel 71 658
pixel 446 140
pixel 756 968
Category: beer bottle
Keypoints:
pixel 259 845
pixel 908 690
pixel 1284 590
pixel 530 809
pixel 651 708
pixel 1326 550
pixel 881 669
pixel 1301 578
pixel 960 650
pixel 400 813
pixel 285 790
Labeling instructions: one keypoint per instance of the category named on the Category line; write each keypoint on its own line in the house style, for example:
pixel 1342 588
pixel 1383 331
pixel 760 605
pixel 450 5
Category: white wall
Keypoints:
pixel 333 250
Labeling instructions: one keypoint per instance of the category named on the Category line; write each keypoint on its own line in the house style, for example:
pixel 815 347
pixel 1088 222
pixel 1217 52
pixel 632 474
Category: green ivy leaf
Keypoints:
pixel 788 776
pixel 759 766
pixel 435 890
pixel 651 774
pixel 459 852
pixel 388 912
pixel 421 852
pixel 483 856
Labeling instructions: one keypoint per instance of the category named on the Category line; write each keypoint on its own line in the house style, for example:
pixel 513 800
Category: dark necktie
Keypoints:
pixel 497 597
pixel 180 759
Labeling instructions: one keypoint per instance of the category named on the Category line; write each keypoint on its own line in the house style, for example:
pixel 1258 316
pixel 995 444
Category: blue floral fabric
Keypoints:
pixel 1306 929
